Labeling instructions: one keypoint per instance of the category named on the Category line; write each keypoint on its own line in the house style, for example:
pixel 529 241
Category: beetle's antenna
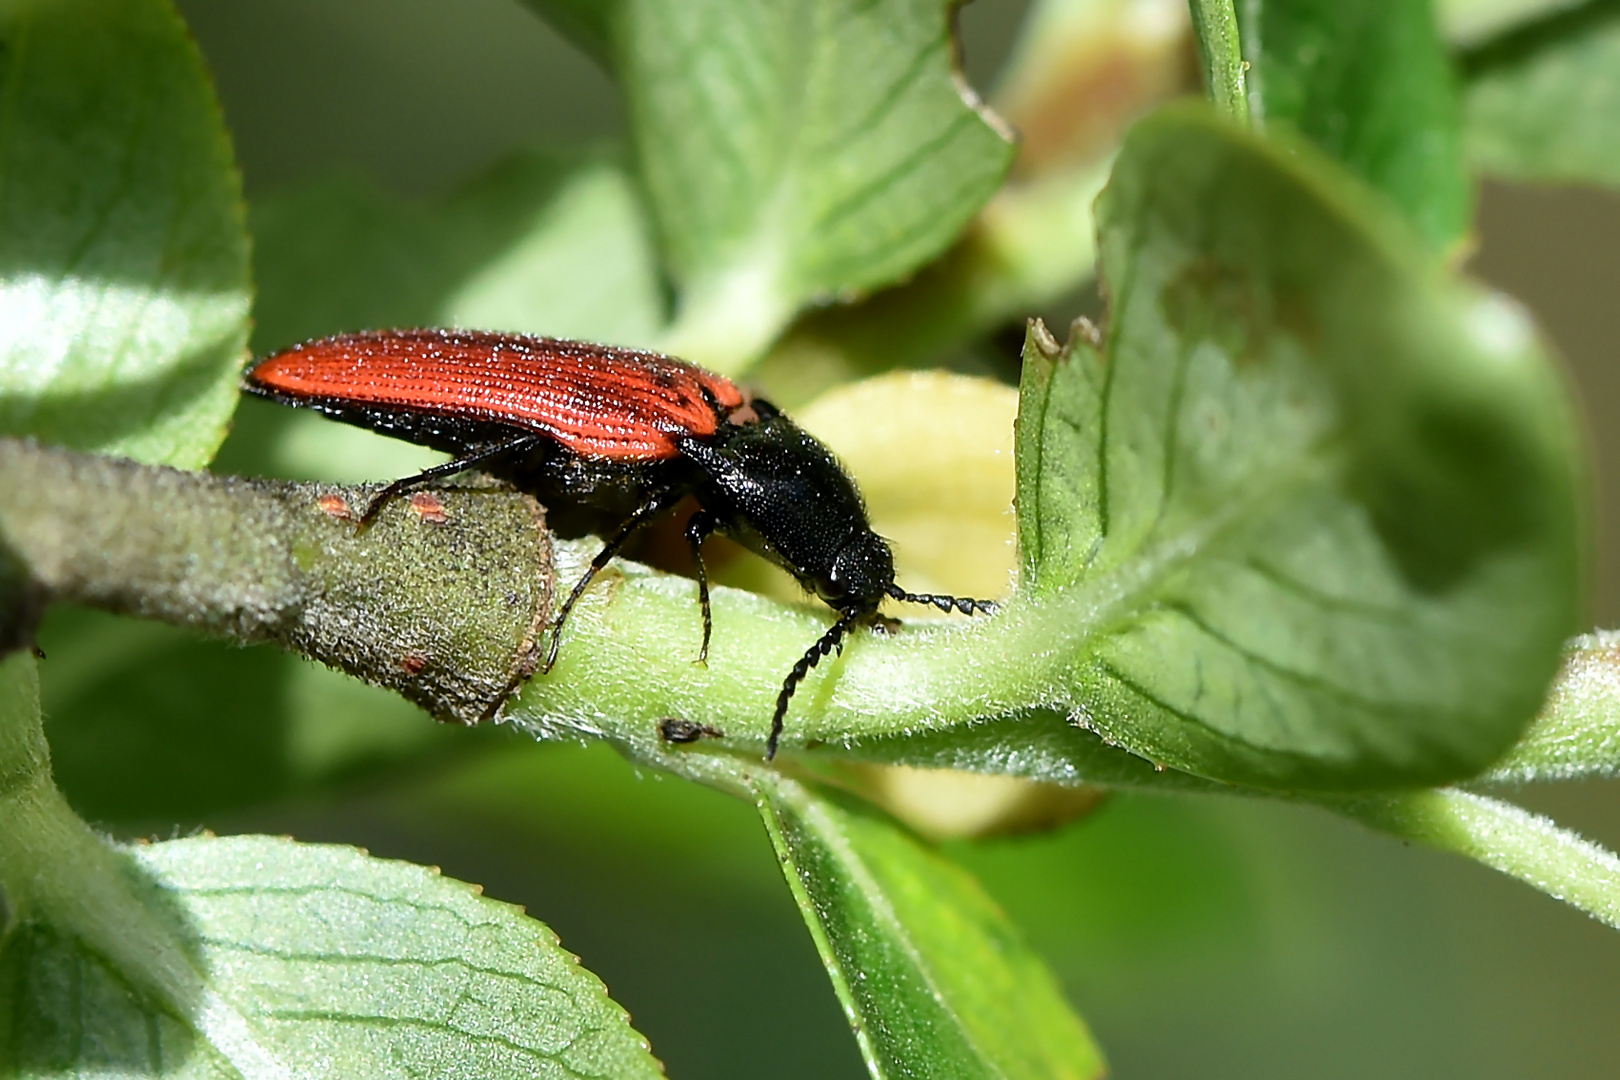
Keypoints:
pixel 831 640
pixel 963 604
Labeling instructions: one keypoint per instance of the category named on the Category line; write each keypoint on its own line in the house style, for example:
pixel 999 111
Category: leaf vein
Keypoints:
pixel 294 956
pixel 332 1016
pixel 891 97
pixel 344 890
pixel 1343 694
pixel 1151 698
pixel 856 200
pixel 1343 604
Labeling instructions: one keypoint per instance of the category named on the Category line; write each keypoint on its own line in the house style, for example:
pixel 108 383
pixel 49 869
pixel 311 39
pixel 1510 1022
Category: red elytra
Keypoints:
pixel 598 401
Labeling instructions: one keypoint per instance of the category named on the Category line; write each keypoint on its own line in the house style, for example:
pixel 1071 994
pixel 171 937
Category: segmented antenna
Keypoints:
pixel 832 639
pixel 965 605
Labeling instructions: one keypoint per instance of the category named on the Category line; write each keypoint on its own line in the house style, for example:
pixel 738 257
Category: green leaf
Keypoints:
pixel 257 956
pixel 285 959
pixel 1370 84
pixel 545 243
pixel 123 255
pixel 1542 103
pixel 1578 731
pixel 933 978
pixel 1313 523
pixel 1504 837
pixel 710 959
pixel 794 152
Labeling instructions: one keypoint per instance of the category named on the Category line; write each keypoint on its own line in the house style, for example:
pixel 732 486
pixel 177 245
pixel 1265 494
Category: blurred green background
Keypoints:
pixel 1200 938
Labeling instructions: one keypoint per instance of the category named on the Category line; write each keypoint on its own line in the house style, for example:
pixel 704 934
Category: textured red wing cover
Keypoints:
pixel 597 400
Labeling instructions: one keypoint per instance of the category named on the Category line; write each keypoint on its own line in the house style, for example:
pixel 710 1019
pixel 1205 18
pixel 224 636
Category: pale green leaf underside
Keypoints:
pixel 933 978
pixel 1312 522
pixel 797 150
pixel 1543 103
pixel 319 961
pixel 123 256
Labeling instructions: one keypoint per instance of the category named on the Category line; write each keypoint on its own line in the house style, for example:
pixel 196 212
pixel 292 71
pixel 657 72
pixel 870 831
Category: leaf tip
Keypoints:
pixel 1040 337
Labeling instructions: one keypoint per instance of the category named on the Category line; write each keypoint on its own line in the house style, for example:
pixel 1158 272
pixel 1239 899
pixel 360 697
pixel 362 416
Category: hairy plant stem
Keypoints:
pixel 443 599
pixel 1215 24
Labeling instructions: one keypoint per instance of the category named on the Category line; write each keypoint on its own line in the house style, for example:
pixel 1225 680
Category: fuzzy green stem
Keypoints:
pixel 1215 23
pixel 443 598
pixel 1502 836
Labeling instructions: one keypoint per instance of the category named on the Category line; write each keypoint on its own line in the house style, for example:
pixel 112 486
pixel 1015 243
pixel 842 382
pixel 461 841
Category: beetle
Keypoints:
pixel 608 439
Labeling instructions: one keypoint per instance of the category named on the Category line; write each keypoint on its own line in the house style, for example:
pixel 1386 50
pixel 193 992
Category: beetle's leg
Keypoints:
pixel 946 603
pixel 698 529
pixel 449 468
pixel 656 504
pixel 832 639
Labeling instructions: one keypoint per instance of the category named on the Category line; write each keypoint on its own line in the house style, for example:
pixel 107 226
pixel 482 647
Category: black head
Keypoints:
pixel 861 574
